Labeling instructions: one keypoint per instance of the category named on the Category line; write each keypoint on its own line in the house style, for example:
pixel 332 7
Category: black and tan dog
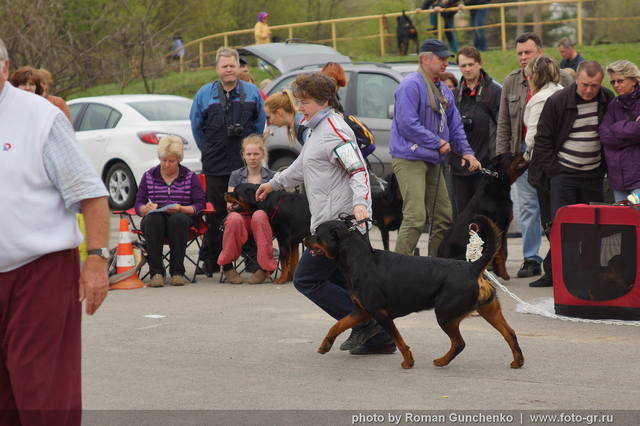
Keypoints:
pixel 492 199
pixel 289 217
pixel 385 285
pixel 387 209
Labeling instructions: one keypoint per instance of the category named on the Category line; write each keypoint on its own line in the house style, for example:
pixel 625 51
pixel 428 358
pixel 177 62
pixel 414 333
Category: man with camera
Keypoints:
pixel 223 113
pixel 478 100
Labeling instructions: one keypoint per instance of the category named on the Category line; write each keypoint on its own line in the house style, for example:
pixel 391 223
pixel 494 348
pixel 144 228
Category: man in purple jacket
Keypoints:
pixel 426 126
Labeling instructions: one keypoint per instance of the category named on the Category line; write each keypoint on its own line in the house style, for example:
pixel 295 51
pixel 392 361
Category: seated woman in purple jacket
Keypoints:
pixel 620 130
pixel 169 197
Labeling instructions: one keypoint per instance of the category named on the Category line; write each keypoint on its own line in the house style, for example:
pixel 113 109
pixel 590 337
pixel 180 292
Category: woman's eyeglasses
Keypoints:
pixel 614 82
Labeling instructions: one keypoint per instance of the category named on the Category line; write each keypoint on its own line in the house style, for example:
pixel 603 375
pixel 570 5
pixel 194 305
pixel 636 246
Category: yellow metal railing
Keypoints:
pixel 198 60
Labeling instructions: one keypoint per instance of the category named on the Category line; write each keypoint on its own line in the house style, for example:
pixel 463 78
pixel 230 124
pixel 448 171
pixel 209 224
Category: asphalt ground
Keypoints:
pixel 247 348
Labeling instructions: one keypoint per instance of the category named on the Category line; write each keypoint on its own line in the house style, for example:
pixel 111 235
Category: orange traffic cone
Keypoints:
pixel 125 260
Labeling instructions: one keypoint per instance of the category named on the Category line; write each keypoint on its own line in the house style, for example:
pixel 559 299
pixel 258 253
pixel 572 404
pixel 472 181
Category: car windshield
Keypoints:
pixel 164 110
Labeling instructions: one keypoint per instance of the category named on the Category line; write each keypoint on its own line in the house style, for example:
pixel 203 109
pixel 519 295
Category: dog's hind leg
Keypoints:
pixel 452 328
pixel 493 314
pixel 387 323
pixel 357 317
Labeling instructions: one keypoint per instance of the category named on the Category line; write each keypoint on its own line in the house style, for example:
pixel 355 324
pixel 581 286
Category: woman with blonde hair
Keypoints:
pixel 281 111
pixel 239 226
pixel 543 76
pixel 169 197
pixel 620 130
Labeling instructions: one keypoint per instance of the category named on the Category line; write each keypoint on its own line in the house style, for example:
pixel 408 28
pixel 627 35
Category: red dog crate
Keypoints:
pixel 595 251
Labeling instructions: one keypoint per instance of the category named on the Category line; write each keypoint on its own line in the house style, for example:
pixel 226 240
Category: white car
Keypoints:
pixel 120 135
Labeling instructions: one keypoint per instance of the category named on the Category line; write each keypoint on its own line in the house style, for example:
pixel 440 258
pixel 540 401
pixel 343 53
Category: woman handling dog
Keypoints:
pixel 169 197
pixel 336 181
pixel 239 225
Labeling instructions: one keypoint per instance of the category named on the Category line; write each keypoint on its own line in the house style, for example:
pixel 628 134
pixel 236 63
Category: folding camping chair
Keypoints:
pixel 196 233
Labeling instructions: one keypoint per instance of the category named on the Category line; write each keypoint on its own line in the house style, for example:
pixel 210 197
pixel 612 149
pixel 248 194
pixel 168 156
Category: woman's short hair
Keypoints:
pixel 315 86
pixel 25 75
pixel 256 140
pixel 335 71
pixel 625 68
pixel 449 76
pixel 171 145
pixel 542 70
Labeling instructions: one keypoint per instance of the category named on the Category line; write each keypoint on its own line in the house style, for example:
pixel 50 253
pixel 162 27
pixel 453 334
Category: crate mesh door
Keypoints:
pixel 598 261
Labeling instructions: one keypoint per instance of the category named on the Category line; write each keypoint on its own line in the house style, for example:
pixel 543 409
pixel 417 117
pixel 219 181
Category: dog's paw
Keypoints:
pixel 440 362
pixel 323 349
pixel 407 364
pixel 517 363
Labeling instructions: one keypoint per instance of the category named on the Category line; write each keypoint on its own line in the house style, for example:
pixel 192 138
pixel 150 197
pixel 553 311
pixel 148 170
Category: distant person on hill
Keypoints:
pixel 177 48
pixel 261 30
pixel 478 18
pixel 570 57
pixel 46 81
pixel 446 16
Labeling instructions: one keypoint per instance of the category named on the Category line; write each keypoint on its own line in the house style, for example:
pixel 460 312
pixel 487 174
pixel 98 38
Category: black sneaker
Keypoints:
pixel 543 281
pixel 360 334
pixel 374 349
pixel 529 268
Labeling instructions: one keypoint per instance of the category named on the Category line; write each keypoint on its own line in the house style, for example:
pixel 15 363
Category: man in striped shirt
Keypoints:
pixel 567 145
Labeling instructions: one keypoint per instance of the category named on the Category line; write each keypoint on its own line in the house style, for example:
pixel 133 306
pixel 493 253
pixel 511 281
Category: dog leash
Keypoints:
pixel 474 251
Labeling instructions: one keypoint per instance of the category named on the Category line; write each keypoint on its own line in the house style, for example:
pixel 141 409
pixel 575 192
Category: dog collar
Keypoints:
pixel 489 172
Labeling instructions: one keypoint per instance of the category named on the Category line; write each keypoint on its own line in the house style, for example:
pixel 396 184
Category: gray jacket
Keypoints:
pixel 328 187
pixel 509 137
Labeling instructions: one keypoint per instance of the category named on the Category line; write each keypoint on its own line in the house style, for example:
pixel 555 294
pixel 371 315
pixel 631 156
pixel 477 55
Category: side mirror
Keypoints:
pixel 390 111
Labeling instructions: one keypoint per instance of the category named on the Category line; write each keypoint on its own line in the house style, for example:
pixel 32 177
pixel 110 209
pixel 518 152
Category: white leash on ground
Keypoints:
pixel 474 251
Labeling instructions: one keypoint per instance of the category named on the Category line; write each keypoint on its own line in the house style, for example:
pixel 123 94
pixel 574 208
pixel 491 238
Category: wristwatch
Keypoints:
pixel 102 252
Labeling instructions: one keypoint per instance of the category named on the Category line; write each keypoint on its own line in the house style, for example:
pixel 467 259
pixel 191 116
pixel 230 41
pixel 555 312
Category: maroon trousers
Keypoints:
pixel 40 382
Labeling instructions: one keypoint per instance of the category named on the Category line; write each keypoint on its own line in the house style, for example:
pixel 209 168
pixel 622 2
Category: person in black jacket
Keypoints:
pixel 478 100
pixel 567 148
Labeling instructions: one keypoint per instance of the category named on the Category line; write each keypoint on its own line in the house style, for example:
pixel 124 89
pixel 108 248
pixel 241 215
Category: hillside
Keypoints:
pixel 497 63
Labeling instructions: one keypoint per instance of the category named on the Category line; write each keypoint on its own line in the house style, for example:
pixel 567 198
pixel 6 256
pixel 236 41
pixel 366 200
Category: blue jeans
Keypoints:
pixel 319 279
pixel 529 218
pixel 448 23
pixel 622 195
pixel 478 19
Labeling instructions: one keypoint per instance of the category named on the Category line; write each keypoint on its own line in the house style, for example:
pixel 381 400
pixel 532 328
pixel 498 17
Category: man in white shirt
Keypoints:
pixel 45 180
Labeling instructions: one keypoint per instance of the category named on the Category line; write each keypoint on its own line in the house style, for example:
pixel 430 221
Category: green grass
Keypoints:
pixel 497 63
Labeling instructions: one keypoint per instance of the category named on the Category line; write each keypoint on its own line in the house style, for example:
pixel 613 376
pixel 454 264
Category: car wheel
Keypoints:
pixel 121 186
pixel 282 163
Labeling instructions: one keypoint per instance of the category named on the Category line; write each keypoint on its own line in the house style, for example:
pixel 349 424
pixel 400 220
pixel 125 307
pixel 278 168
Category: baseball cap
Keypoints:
pixel 435 46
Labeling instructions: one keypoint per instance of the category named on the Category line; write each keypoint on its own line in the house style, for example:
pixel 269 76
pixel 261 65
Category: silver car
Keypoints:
pixel 369 94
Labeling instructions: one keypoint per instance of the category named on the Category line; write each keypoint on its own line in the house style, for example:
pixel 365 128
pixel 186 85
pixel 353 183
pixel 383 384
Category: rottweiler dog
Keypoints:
pixel 386 285
pixel 289 216
pixel 405 32
pixel 387 209
pixel 492 199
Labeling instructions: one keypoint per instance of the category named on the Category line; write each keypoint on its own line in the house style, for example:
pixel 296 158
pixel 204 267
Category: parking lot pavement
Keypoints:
pixel 212 346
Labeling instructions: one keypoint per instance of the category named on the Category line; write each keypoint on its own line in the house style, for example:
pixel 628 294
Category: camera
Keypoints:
pixel 235 130
pixel 467 122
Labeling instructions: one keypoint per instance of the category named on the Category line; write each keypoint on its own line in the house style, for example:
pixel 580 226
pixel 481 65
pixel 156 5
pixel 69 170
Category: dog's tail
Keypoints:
pixel 490 234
